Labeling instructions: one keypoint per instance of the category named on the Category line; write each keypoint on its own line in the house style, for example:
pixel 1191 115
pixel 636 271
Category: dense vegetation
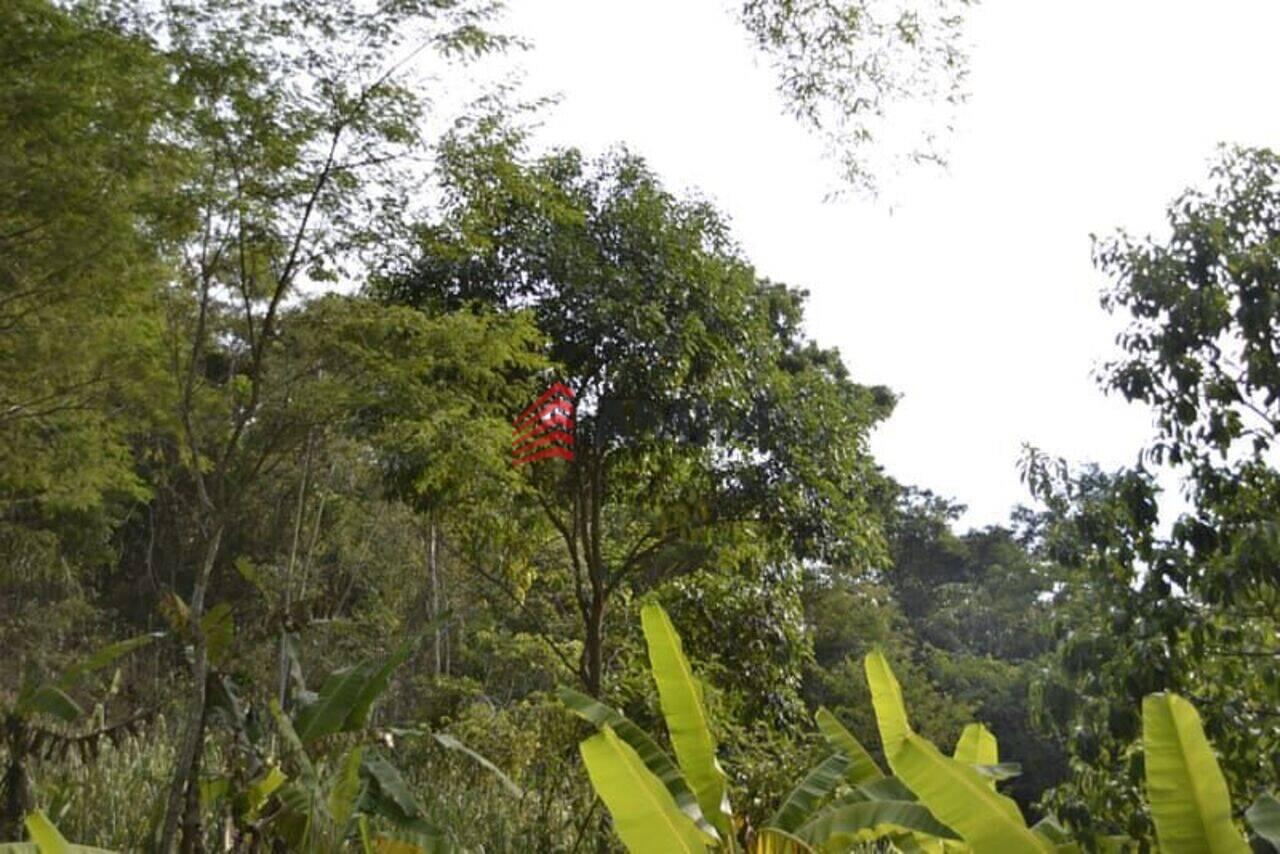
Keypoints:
pixel 270 581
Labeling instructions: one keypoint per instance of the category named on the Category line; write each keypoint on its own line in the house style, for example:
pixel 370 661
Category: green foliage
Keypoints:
pixel 851 71
pixel 707 425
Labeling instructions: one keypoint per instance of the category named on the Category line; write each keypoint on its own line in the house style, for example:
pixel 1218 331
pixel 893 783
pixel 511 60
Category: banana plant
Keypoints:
pixel 320 800
pixel 314 799
pixel 953 790
pixel 932 803
pixel 663 805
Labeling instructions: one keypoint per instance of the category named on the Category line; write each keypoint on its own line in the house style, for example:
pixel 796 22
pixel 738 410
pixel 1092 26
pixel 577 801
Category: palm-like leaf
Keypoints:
pixel 1187 792
pixel 653 756
pixel 821 781
pixel 645 815
pixel 686 717
pixel 862 768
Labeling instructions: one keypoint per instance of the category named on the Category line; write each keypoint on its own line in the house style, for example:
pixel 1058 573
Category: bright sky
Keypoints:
pixel 974 297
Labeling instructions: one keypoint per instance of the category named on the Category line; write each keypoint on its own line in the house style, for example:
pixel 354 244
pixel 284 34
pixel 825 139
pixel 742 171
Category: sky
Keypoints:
pixel 970 292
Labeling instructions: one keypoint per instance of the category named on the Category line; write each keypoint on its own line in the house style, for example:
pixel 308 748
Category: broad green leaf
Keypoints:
pixel 862 768
pixel 347 695
pixel 645 815
pixel 452 743
pixel 103 657
pixel 821 781
pixel 292 741
pixel 840 827
pixel 219 629
pixel 260 790
pixel 45 835
pixel 653 756
pixel 53 701
pixel 390 795
pixel 1049 828
pixel 977 746
pixel 886 789
pixel 686 717
pixel 886 698
pixel 46 839
pixel 376 685
pixel 1185 787
pixel 1263 818
pixel 345 791
pixel 961 798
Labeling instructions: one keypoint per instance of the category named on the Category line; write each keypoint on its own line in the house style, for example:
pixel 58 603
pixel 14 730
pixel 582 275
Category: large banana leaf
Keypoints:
pixel 46 839
pixel 1185 787
pixel 1264 819
pixel 653 756
pixel 821 781
pixel 448 741
pixel 961 798
pixel 686 716
pixel 862 768
pixel 977 746
pixel 345 791
pixel 838 828
pixel 645 816
pixel 886 698
pixel 347 696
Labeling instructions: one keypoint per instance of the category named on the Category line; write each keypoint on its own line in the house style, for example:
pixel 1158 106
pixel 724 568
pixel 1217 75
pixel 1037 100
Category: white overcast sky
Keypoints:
pixel 974 296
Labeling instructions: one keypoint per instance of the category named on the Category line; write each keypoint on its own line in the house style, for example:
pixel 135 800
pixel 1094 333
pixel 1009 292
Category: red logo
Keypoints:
pixel 545 429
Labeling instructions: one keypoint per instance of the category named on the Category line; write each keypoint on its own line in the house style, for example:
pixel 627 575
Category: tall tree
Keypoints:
pixel 297 118
pixel 1194 611
pixel 84 224
pixel 701 407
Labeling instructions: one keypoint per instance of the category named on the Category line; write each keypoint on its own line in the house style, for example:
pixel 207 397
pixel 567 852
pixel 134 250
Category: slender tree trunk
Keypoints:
pixel 433 571
pixel 593 647
pixel 193 730
pixel 590 535
pixel 287 604
pixel 192 832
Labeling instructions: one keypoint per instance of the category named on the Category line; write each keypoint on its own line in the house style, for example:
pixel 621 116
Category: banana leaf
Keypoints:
pixel 1188 795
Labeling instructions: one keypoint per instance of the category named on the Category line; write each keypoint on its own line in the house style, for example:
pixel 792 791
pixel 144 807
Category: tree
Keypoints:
pixel 701 408
pixel 87 216
pixel 296 119
pixel 1194 611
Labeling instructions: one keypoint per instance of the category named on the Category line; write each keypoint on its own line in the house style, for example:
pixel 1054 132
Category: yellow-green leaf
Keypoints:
pixel 977 746
pixel 345 791
pixel 645 816
pixel 686 717
pixel 1189 801
pixel 961 798
pixel 886 698
pixel 45 835
pixel 862 768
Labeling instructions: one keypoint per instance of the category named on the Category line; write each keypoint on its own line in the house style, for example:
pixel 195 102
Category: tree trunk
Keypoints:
pixel 193 730
pixel 192 832
pixel 433 570
pixel 593 648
